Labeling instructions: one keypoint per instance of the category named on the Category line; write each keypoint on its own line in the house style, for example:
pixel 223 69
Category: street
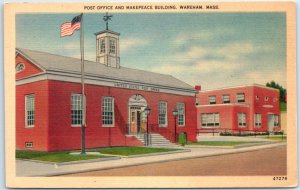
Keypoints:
pixel 270 161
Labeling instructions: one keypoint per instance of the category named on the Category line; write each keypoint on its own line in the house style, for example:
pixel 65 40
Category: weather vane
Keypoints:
pixel 106 18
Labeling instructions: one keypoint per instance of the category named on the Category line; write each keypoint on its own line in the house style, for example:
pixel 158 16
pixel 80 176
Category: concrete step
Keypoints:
pixel 158 140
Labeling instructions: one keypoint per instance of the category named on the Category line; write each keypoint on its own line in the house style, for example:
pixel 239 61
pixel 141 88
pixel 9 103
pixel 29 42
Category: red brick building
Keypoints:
pixel 48 101
pixel 245 108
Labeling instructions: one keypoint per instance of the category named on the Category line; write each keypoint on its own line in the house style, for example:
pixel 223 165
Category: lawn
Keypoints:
pixel 53 156
pixel 221 143
pixel 126 151
pixel 277 137
pixel 66 157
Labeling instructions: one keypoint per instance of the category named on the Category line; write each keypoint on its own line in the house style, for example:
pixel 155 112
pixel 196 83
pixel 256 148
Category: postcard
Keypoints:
pixel 150 95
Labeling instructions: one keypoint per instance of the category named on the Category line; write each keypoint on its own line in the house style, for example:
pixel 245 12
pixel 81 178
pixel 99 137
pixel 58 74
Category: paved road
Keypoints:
pixel 271 161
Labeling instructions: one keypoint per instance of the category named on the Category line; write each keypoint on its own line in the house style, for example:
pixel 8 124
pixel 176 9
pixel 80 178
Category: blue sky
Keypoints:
pixel 209 49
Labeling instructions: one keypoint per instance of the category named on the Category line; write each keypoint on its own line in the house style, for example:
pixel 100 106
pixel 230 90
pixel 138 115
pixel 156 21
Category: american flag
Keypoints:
pixel 68 28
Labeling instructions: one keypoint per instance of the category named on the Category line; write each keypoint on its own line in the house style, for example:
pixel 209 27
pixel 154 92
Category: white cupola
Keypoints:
pixel 107 46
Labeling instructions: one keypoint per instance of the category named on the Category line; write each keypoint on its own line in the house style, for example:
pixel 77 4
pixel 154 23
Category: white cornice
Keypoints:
pixel 224 105
pixel 102 81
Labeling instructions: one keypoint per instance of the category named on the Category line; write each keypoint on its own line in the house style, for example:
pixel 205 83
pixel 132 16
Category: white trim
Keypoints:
pixel 184 112
pixel 28 144
pixel 113 111
pixel 29 59
pixel 257 126
pixel 18 65
pixel 214 121
pixel 166 117
pixel 244 118
pixel 27 96
pixel 227 104
pixel 70 77
pixel 80 105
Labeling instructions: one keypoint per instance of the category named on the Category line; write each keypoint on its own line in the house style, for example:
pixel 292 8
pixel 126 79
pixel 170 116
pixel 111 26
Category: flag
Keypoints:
pixel 68 28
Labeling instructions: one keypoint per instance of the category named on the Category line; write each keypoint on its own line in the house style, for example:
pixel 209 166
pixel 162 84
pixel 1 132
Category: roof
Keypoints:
pixel 52 62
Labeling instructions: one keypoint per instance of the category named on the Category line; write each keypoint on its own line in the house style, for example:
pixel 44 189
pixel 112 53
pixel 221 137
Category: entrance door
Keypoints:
pixel 137 122
pixel 135 119
pixel 270 122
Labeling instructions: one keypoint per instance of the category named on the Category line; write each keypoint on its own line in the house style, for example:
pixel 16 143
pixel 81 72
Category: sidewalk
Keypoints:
pixel 29 168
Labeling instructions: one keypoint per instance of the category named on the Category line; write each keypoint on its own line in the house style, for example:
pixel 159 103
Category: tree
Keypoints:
pixel 282 91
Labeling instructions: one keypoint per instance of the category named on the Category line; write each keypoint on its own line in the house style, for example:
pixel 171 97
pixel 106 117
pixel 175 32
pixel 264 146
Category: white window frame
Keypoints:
pixel 162 113
pixel 20 67
pixel 266 98
pixel 112 46
pixel 257 120
pixel 214 117
pixel 243 118
pixel 32 106
pixel 28 144
pixel 240 97
pixel 112 104
pixel 226 96
pixel 102 45
pixel 78 107
pixel 212 100
pixel 181 112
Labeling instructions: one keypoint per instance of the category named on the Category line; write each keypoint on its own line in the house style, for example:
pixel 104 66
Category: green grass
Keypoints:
pixel 278 138
pixel 53 156
pixel 66 157
pixel 221 143
pixel 126 151
pixel 282 106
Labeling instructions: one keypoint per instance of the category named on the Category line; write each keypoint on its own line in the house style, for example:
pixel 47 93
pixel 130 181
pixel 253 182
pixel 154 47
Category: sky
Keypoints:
pixel 214 50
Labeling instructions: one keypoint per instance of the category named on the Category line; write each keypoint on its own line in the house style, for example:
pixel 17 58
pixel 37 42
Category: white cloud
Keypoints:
pixel 203 35
pixel 262 77
pixel 132 43
pixel 194 52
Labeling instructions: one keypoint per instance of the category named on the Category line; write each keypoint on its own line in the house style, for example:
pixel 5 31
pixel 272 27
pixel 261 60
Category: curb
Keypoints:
pixel 72 162
pixel 233 147
pixel 158 154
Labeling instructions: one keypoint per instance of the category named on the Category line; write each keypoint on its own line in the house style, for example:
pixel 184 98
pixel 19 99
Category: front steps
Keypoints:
pixel 157 140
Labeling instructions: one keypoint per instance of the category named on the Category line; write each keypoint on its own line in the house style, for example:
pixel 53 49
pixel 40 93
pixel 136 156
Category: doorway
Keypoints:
pixel 135 119
pixel 271 122
pixel 137 122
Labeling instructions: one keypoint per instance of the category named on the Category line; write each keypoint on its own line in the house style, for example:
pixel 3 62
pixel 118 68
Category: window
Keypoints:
pixel 181 114
pixel 257 120
pixel 133 116
pixel 275 99
pixel 102 45
pixel 266 98
pixel 226 99
pixel 162 116
pixel 276 120
pixel 20 67
pixel 112 46
pixel 257 97
pixel 108 111
pixel 210 120
pixel 240 97
pixel 29 113
pixel 28 144
pixel 212 100
pixel 242 119
pixel 76 109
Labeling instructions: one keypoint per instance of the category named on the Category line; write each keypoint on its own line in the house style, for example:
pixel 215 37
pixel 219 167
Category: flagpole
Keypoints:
pixel 83 99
